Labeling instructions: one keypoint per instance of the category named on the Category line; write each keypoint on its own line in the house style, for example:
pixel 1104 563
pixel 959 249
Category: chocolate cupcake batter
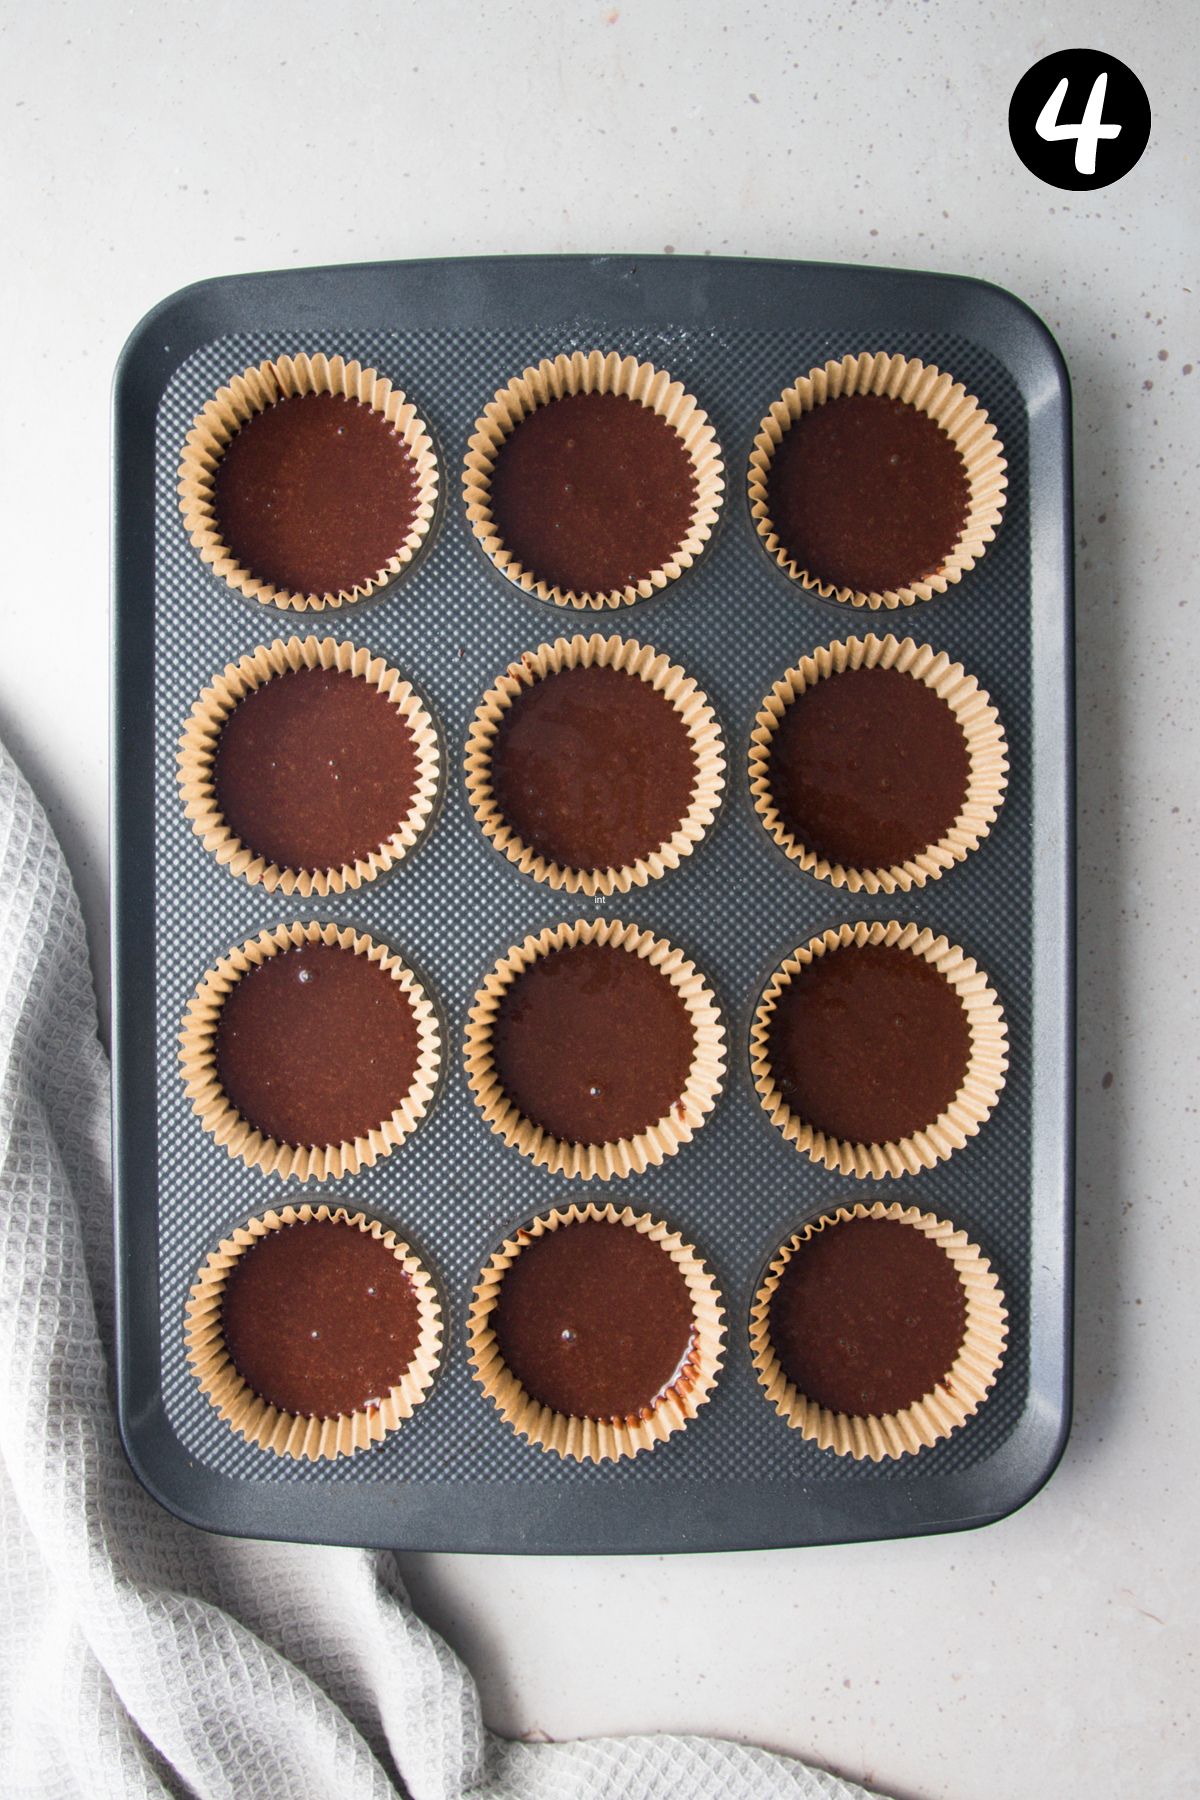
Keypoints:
pixel 315 494
pixel 594 1320
pixel 592 492
pixel 868 1317
pixel 868 493
pixel 315 769
pixel 593 1044
pixel 316 1046
pixel 320 1318
pixel 592 768
pixel 869 768
pixel 868 1044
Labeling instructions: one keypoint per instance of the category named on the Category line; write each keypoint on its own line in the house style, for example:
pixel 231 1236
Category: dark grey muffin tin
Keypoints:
pixel 450 333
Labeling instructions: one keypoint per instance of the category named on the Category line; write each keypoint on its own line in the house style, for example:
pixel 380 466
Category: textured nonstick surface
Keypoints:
pixel 735 334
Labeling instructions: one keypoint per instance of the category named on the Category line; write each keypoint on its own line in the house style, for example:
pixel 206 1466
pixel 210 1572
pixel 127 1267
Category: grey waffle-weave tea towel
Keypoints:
pixel 137 1655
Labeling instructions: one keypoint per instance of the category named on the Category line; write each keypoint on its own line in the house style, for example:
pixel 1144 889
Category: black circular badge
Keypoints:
pixel 1079 119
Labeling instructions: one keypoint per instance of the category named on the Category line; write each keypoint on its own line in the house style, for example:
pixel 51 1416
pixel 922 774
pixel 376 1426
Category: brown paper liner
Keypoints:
pixel 295 1434
pixel 252 392
pixel 200 739
pixel 931 391
pixel 986 748
pixel 938 1413
pixel 625 1156
pixel 593 372
pixel 658 672
pixel 981 1083
pixel 586 1439
pixel 197 1057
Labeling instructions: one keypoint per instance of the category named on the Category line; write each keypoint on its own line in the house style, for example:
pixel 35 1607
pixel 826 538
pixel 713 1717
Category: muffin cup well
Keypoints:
pixel 931 391
pixel 198 1064
pixel 659 673
pixel 586 373
pixel 255 389
pixel 199 742
pixel 587 1439
pixel 938 1413
pixel 624 1156
pixel 977 718
pixel 982 1080
pixel 294 1434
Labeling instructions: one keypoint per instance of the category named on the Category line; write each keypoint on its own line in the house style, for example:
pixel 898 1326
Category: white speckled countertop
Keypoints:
pixel 146 147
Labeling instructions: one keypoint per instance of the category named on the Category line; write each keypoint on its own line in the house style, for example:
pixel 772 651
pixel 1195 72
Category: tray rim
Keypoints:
pixel 526 1518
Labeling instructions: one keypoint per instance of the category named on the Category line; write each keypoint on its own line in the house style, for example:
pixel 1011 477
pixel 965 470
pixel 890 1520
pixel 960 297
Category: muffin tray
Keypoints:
pixel 454 1476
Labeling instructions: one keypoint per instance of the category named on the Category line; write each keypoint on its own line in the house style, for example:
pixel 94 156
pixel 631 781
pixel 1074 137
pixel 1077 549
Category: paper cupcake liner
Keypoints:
pixel 938 1413
pixel 586 1439
pixel 582 373
pixel 658 672
pixel 199 742
pixel 252 392
pixel 931 391
pixel 295 1434
pixel 624 1156
pixel 981 1083
pixel 198 1062
pixel 986 747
